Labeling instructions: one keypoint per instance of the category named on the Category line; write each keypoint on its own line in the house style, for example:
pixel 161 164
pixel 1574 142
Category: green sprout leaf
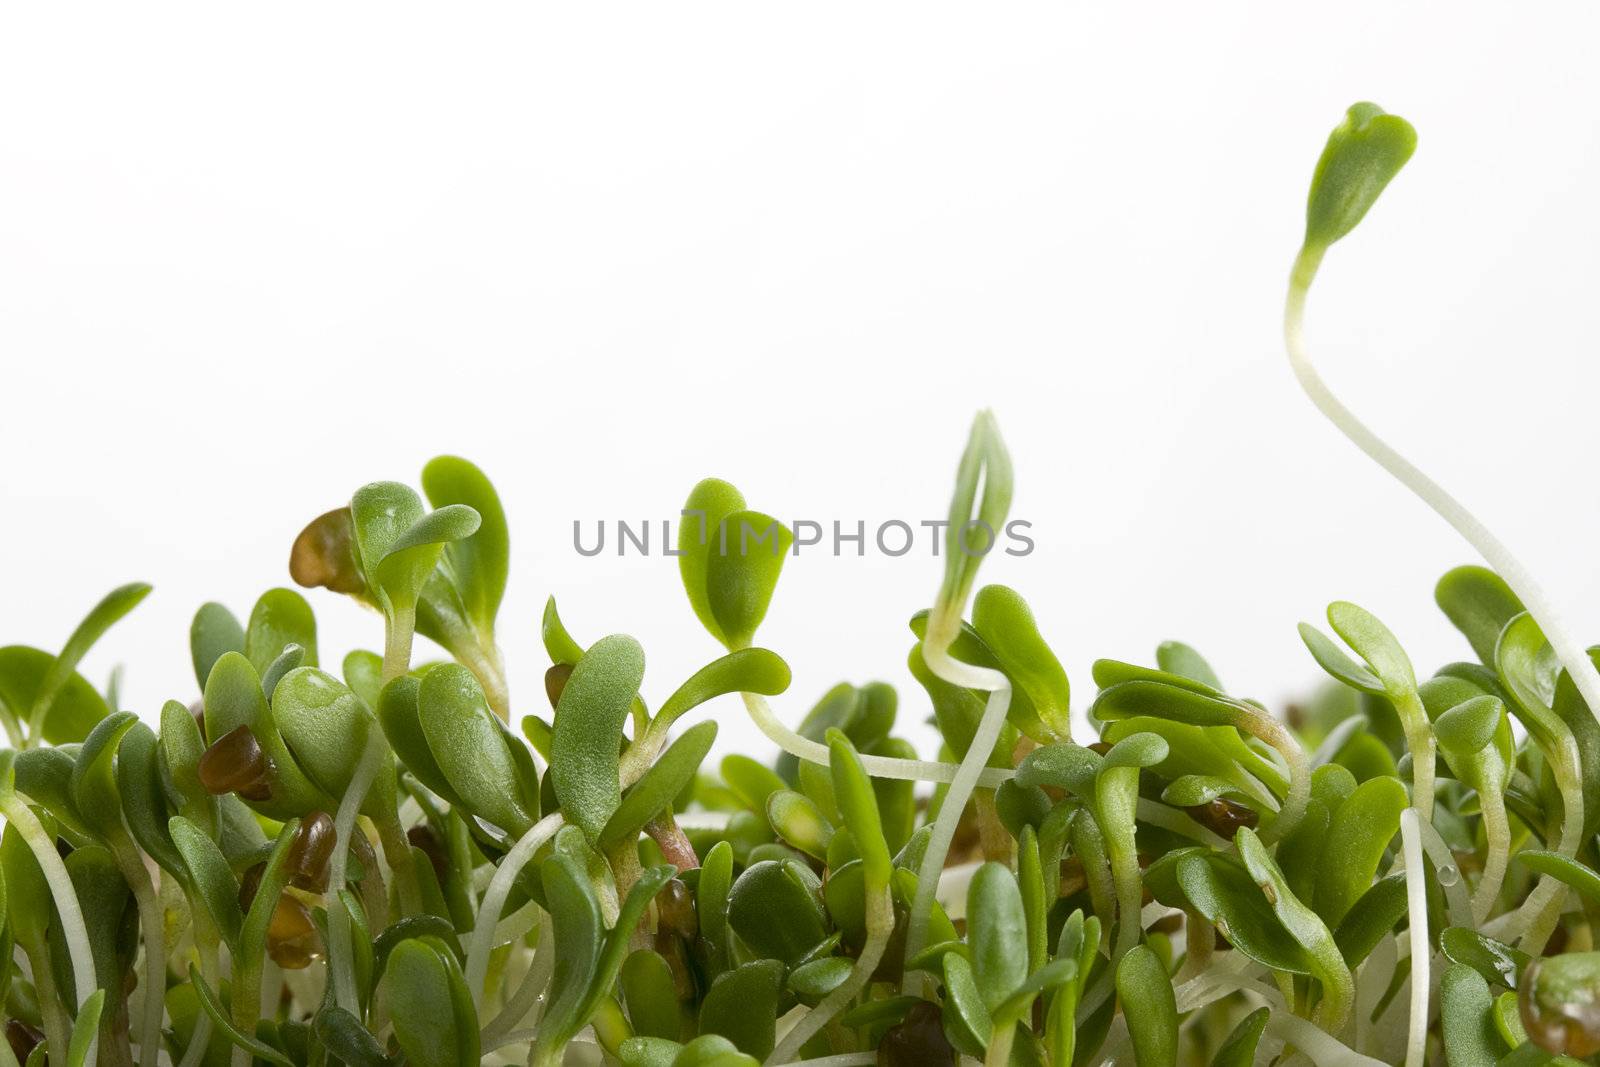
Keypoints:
pixel 469 746
pixel 1142 981
pixel 585 764
pixel 213 632
pixel 1239 1050
pixel 280 618
pixel 1363 154
pixel 975 522
pixel 434 1020
pixel 742 1006
pixel 999 933
pixel 655 791
pixel 478 563
pixel 1006 624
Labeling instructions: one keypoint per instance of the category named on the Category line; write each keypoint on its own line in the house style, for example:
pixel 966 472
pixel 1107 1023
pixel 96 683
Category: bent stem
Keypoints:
pixel 880 925
pixel 1295 800
pixel 1571 654
pixel 936 653
pixel 494 900
pixel 66 899
pixel 905 770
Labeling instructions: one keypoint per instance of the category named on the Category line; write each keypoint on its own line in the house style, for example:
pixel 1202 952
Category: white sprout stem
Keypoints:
pixel 1569 652
pixel 340 953
pixel 906 770
pixel 494 900
pixel 880 926
pixel 935 652
pixel 1417 908
pixel 134 872
pixel 527 995
pixel 55 874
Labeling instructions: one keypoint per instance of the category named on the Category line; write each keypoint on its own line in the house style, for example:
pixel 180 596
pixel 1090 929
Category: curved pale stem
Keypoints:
pixel 1569 652
pixel 907 770
pixel 494 900
pixel 1295 800
pixel 880 926
pixel 66 898
pixel 935 652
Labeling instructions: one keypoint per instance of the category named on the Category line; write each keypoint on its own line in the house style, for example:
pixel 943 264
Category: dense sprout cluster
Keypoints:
pixel 388 861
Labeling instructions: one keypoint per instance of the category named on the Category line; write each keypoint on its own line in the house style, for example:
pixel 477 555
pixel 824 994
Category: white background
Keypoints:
pixel 253 257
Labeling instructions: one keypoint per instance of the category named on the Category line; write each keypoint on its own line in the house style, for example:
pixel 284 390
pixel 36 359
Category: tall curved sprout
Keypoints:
pixel 1363 154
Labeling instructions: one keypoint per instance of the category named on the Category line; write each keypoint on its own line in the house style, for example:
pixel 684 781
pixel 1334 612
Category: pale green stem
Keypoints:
pixel 151 925
pixel 1282 741
pixel 1130 897
pixel 1497 835
pixel 397 850
pixel 341 956
pixel 494 900
pixel 489 667
pixel 880 925
pixel 998 1054
pixel 397 637
pixel 1542 908
pixel 1571 654
pixel 57 1023
pixel 66 898
pixel 935 652
pixel 1419 741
